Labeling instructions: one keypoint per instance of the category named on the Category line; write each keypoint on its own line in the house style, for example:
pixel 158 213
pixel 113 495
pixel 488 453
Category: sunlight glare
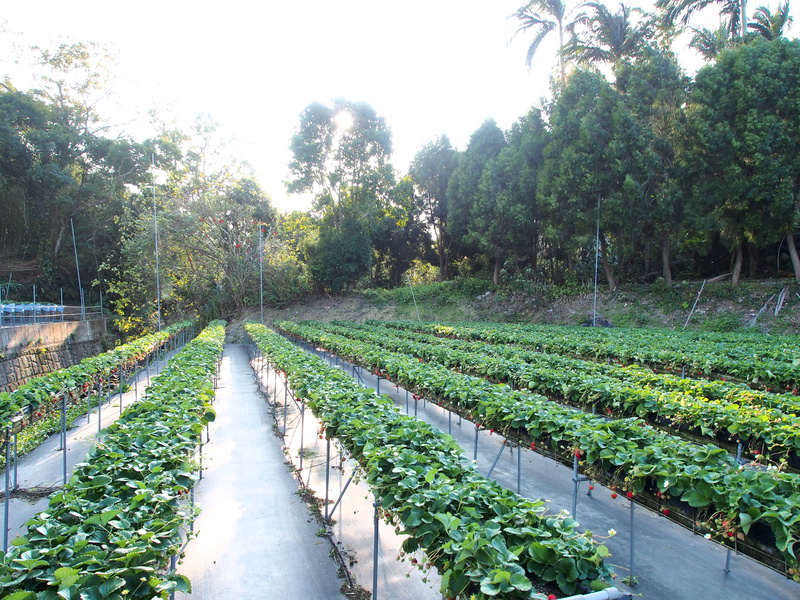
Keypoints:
pixel 344 120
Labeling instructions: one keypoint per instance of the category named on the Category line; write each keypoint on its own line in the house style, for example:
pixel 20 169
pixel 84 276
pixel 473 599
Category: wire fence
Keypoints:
pixel 18 314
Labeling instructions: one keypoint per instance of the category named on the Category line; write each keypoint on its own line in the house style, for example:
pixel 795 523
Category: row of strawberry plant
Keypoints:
pixel 668 350
pixel 110 532
pixel 484 539
pixel 629 390
pixel 737 503
pixel 78 380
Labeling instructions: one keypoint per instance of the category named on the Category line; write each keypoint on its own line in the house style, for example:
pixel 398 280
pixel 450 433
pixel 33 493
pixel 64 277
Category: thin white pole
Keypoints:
pixel 77 266
pixel 414 298
pixel 596 255
pixel 155 221
pixel 261 268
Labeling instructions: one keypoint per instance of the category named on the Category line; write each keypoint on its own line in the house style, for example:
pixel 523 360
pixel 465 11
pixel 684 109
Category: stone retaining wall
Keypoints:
pixel 30 351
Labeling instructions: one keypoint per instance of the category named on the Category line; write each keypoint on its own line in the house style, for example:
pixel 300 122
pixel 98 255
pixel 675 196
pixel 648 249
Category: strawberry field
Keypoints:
pixel 112 530
pixel 749 502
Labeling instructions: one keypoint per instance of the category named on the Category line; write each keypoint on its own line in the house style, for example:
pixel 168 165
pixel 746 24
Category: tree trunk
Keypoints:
pixel 498 263
pixel 752 253
pixel 737 264
pixel 665 268
pixel 612 283
pixel 647 256
pixel 535 254
pixel 793 253
pixel 570 263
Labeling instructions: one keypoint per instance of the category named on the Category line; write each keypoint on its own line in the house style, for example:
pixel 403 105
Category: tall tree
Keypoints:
pixel 771 26
pixel 598 152
pixel 541 18
pixel 743 154
pixel 733 11
pixel 505 218
pixel 59 167
pixel 610 37
pixel 341 155
pixel 484 144
pixel 656 89
pixel 430 172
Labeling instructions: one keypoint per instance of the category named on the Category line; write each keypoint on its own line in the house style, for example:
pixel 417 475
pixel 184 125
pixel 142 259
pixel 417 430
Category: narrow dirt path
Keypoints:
pixel 256 537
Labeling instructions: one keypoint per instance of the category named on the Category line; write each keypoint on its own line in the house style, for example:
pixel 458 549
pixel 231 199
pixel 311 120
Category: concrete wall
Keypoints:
pixel 29 351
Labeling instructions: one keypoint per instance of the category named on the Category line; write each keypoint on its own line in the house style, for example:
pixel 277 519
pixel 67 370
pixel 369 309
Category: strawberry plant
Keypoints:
pixel 484 539
pixel 110 532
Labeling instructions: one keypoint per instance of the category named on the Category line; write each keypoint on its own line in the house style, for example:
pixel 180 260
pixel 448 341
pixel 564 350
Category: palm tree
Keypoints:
pixel 731 9
pixel 611 36
pixel 771 26
pixel 543 17
pixel 710 42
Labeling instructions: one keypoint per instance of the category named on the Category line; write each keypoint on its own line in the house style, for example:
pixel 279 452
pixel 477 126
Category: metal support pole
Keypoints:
pixel 633 532
pixel 16 470
pixel 728 562
pixel 285 404
pixel 574 485
pixel 333 510
pixel 375 555
pixel 378 391
pixel 499 454
pixel 302 427
pixel 450 422
pixel 64 430
pixel 519 469
pixel 120 373
pixel 136 381
pixel 475 454
pixel 6 502
pixel 327 472
pixel 406 402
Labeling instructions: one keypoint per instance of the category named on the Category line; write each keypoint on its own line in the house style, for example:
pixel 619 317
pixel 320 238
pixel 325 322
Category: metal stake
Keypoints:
pixel 64 430
pixel 327 472
pixel 633 531
pixel 302 427
pixel 475 455
pixel 375 555
pixel 6 502
pixel 499 454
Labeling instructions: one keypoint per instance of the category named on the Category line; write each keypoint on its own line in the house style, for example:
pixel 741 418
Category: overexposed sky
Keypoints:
pixel 427 66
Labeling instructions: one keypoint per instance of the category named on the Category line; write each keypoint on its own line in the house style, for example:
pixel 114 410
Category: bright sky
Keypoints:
pixel 427 66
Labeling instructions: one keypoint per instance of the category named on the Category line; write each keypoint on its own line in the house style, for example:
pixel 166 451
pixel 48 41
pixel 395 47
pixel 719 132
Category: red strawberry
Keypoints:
pixel 613 495
pixel 591 487
pixel 665 511
pixel 630 495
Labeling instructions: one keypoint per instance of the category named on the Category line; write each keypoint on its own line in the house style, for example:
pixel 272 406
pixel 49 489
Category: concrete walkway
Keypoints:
pixel 43 467
pixel 256 538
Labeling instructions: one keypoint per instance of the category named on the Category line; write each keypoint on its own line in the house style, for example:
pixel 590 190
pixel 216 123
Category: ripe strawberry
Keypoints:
pixel 613 495
pixel 591 487
pixel 665 511
pixel 630 495
pixel 533 445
